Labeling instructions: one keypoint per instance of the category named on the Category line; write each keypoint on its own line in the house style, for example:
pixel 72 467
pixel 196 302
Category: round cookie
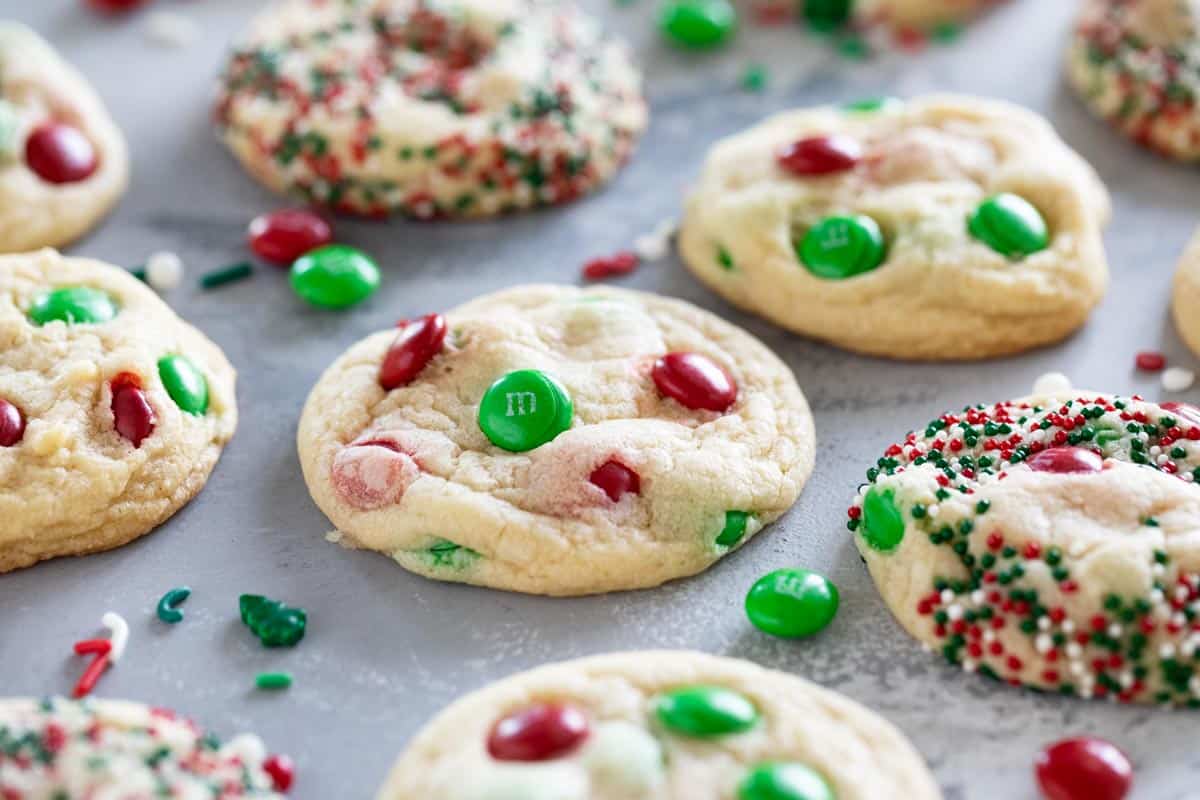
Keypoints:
pixel 57 748
pixel 944 227
pixel 1047 542
pixel 113 411
pixel 1185 297
pixel 658 726
pixel 1136 63
pixel 63 162
pixel 560 441
pixel 466 108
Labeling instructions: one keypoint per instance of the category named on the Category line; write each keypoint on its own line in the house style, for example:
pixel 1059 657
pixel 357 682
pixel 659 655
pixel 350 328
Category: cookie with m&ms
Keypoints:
pixel 657 725
pixel 1185 295
pixel 1046 542
pixel 466 108
pixel 943 227
pixel 113 411
pixel 113 748
pixel 905 15
pixel 63 162
pixel 555 440
pixel 1136 63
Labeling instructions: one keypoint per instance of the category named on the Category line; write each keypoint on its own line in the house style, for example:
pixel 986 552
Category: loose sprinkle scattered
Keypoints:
pixel 1177 379
pixel 273 680
pixel 118 633
pixel 755 78
pixel 1052 383
pixel 164 271
pixel 1150 360
pixel 230 274
pixel 171 30
pixel 168 607
pixel 275 624
pixel 621 263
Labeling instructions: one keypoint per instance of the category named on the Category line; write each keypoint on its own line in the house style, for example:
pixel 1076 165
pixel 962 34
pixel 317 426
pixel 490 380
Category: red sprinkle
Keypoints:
pixel 1065 459
pixel 133 416
pixel 621 263
pixel 282 236
pixel 282 770
pixel 419 341
pixel 114 6
pixel 12 424
pixel 820 155
pixel 101 649
pixel 1151 360
pixel 694 381
pixel 616 480
pixel 60 153
pixel 1084 768
pixel 538 733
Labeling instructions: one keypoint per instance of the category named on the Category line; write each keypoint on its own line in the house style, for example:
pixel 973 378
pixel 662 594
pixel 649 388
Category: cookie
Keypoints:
pixel 466 108
pixel 944 227
pixel 637 726
pixel 113 411
pixel 1047 542
pixel 1185 297
pixel 1136 63
pixel 905 14
pixel 56 748
pixel 63 162
pixel 559 441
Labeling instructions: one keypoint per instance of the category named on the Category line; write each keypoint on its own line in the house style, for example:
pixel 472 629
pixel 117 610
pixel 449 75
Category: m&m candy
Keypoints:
pixel 525 409
pixel 12 424
pixel 133 416
pixel 842 246
pixel 792 603
pixel 820 155
pixel 1010 225
pixel 698 24
pixel 616 480
pixel 282 236
pixel 185 384
pixel 419 341
pixel 335 276
pixel 1083 768
pixel 538 733
pixel 1065 460
pixel 784 781
pixel 73 305
pixel 705 711
pixel 694 381
pixel 60 153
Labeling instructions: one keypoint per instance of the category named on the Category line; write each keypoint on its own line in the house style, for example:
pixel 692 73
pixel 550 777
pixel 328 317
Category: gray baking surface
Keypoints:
pixel 386 649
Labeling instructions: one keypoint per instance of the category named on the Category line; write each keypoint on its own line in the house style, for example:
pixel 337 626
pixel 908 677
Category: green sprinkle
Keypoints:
pixel 139 273
pixel 234 272
pixel 168 607
pixel 273 680
pixel 754 78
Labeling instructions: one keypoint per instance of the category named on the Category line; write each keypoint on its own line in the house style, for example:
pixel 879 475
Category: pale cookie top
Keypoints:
pixel 112 409
pixel 1051 542
pixel 454 108
pixel 63 162
pixel 658 726
pixel 57 748
pixel 1185 298
pixel 599 479
pixel 921 14
pixel 939 227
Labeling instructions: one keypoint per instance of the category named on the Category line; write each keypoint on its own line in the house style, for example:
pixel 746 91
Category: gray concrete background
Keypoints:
pixel 387 649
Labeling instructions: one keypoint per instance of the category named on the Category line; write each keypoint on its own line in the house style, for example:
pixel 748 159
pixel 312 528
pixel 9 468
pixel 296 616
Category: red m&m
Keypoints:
pixel 616 480
pixel 60 153
pixel 538 733
pixel 419 341
pixel 115 6
pixel 820 155
pixel 133 416
pixel 281 237
pixel 282 770
pixel 1065 460
pixel 12 424
pixel 1083 769
pixel 694 381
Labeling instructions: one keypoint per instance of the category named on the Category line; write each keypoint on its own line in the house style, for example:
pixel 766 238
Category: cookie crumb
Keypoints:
pixel 170 29
pixel 164 270
pixel 1052 383
pixel 1177 379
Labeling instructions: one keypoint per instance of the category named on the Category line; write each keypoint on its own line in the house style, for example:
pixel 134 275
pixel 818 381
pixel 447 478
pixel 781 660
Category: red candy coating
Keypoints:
pixel 538 733
pixel 621 263
pixel 282 770
pixel 12 424
pixel 1150 360
pixel 616 479
pixel 820 155
pixel 1185 411
pixel 115 6
pixel 281 237
pixel 1083 769
pixel 1065 459
pixel 133 416
pixel 419 341
pixel 694 381
pixel 60 153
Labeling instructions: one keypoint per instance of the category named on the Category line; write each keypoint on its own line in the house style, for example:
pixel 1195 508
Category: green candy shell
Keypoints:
pixel 784 781
pixel 525 409
pixel 185 384
pixel 335 276
pixel 883 524
pixel 698 24
pixel 1010 225
pixel 73 305
pixel 702 712
pixel 734 528
pixel 841 247
pixel 792 603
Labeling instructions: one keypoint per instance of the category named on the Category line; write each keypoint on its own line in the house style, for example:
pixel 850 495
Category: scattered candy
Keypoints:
pixel 1177 379
pixel 1010 225
pixel 539 733
pixel 621 263
pixel 73 305
pixel 12 424
pixel 133 416
pixel 734 528
pixel 525 409
pixel 101 649
pixel 883 526
pixel 168 607
pixel 784 781
pixel 1051 383
pixel 273 681
pixel 705 711
pixel 792 603
pixel 170 29
pixel 115 6
pixel 234 272
pixel 335 276
pixel 118 634
pixel 281 237
pixel 282 771
pixel 694 381
pixel 821 155
pixel 1150 360
pixel 842 247
pixel 616 480
pixel 186 384
pixel 1083 768
pixel 164 271
pixel 826 15
pixel 1063 460
pixel 871 105
pixel 754 78
pixel 59 153
pixel 416 345
pixel 275 624
pixel 698 23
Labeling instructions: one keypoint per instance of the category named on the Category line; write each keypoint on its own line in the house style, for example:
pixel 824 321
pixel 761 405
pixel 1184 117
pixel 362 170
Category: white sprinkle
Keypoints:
pixel 1068 626
pixel 171 29
pixel 1076 668
pixel 1074 650
pixel 1052 383
pixel 1043 643
pixel 968 665
pixel 118 634
pixel 1177 379
pixel 1114 631
pixel 955 612
pixel 1158 569
pixel 933 510
pixel 978 596
pixel 1194 684
pixel 248 747
pixel 989 636
pixel 947 597
pixel 164 270
pixel 1043 623
pixel 650 247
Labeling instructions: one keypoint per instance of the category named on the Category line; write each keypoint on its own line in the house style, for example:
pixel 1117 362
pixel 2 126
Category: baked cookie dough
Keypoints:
pixel 56 748
pixel 658 726
pixel 465 108
pixel 1047 542
pixel 559 441
pixel 944 227
pixel 63 163
pixel 1185 299
pixel 113 410
pixel 1137 64
pixel 904 14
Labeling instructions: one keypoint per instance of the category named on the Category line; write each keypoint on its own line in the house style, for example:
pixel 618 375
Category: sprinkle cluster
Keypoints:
pixel 1015 611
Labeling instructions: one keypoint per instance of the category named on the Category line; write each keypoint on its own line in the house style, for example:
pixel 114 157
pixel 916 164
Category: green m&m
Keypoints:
pixel 698 23
pixel 734 528
pixel 525 409
pixel 1010 225
pixel 702 712
pixel 792 603
pixel 825 15
pixel 784 781
pixel 335 276
pixel 841 247
pixel 883 525
pixel 185 384
pixel 869 105
pixel 73 304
